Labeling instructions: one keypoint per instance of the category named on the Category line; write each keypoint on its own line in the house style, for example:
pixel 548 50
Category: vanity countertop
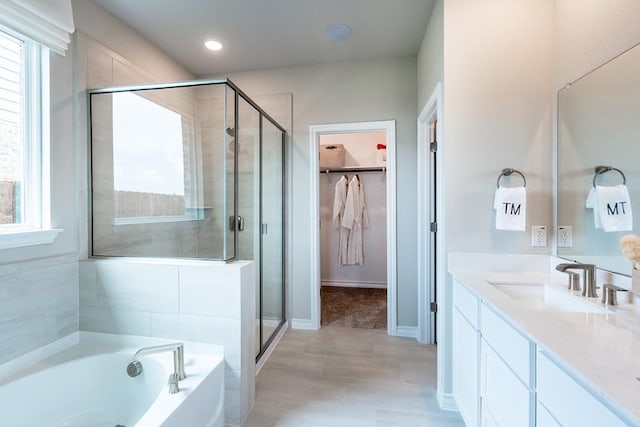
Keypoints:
pixel 603 349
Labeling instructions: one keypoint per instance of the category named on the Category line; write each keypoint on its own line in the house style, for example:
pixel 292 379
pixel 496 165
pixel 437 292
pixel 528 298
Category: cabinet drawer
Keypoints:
pixel 568 402
pixel 544 418
pixel 516 350
pixel 466 302
pixel 508 400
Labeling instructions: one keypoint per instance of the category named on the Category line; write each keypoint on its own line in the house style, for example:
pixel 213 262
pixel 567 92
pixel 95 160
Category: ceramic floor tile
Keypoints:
pixel 297 362
pixel 324 415
pixel 277 385
pixel 386 418
pixel 393 396
pixel 359 368
pixel 351 377
pixel 418 373
pixel 262 415
pixel 404 353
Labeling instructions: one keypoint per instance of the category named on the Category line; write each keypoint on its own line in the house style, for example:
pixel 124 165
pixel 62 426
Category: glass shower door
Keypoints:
pixel 259 223
pixel 272 199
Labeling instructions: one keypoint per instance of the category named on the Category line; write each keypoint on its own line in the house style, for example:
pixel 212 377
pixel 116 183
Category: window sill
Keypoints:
pixel 32 237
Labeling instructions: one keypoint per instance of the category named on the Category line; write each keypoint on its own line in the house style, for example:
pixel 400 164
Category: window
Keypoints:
pixel 148 161
pixel 24 218
pixel 12 123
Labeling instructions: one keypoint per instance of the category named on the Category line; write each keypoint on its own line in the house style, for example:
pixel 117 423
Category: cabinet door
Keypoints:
pixel 486 418
pixel 544 418
pixel 465 345
pixel 569 402
pixel 507 398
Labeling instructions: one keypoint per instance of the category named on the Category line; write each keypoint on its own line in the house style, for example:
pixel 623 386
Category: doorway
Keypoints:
pixel 431 260
pixel 371 174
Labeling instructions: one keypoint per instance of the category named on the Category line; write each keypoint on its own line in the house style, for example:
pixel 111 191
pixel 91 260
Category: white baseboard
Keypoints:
pixel 302 324
pixel 272 347
pixel 446 401
pixel 373 285
pixel 407 331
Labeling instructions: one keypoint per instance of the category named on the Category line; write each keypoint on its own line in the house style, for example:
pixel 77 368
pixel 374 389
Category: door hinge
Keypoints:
pixel 433 227
pixel 433 147
pixel 434 307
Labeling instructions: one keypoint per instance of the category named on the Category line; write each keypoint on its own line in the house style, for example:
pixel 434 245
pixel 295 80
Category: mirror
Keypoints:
pixel 598 125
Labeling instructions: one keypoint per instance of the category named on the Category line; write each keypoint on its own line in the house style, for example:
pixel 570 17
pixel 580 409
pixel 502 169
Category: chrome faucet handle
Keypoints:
pixel 589 281
pixel 609 294
pixel 173 384
pixel 574 278
pixel 574 281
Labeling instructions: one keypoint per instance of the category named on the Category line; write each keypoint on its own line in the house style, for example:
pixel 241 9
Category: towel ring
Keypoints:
pixel 509 171
pixel 599 170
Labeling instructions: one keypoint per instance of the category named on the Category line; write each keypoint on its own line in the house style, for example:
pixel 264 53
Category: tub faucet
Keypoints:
pixel 178 356
pixel 588 277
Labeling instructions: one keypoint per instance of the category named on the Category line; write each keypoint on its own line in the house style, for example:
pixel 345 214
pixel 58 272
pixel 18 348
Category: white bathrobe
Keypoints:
pixel 339 202
pixel 355 218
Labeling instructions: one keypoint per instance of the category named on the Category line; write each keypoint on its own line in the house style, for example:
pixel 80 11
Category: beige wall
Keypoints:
pixel 431 55
pixel 497 114
pixel 340 93
pixel 589 33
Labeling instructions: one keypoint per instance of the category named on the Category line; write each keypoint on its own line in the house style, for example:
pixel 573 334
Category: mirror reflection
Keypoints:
pixel 598 130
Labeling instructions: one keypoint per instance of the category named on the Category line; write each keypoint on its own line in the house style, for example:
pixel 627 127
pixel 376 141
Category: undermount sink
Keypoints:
pixel 541 296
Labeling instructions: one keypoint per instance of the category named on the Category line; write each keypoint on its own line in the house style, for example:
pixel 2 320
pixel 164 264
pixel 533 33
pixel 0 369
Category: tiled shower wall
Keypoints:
pixel 191 301
pixel 38 304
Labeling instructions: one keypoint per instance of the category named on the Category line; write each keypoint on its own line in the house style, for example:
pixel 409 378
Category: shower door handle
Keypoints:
pixel 236 222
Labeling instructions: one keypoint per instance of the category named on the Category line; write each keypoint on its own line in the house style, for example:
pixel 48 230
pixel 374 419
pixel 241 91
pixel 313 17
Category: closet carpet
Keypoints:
pixel 354 307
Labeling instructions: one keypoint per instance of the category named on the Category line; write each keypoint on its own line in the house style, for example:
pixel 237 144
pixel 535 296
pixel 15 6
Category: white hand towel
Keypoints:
pixel 592 203
pixel 510 204
pixel 611 207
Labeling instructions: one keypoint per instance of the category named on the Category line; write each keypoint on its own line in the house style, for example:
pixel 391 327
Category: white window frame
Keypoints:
pixel 36 229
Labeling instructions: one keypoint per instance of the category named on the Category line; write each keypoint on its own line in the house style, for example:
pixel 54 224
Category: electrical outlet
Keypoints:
pixel 565 236
pixel 538 235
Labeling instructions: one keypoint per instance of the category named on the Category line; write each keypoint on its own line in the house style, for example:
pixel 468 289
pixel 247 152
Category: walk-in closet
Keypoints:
pixel 353 229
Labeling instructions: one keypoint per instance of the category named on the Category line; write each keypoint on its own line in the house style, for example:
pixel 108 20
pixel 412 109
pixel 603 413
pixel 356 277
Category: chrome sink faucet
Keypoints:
pixel 588 277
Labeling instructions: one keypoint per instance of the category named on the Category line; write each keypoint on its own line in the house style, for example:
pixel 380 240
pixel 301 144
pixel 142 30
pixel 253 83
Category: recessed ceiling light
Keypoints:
pixel 336 32
pixel 212 44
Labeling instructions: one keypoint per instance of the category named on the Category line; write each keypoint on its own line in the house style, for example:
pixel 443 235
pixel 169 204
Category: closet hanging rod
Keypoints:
pixel 356 169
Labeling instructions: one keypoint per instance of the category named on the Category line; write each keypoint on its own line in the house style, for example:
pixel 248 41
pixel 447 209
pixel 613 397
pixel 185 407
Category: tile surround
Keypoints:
pixel 193 301
pixel 38 304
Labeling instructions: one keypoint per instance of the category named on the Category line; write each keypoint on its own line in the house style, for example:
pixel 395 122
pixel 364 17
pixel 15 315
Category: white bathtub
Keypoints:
pixel 86 385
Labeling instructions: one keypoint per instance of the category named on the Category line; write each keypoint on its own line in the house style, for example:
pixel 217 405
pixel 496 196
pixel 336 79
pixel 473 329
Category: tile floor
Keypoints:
pixel 348 377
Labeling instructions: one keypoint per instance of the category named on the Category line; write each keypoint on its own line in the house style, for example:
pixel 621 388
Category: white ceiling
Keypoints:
pixel 263 34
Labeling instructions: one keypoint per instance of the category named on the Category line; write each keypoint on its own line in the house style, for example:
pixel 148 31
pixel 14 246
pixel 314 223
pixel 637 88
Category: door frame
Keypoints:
pixel 432 110
pixel 389 127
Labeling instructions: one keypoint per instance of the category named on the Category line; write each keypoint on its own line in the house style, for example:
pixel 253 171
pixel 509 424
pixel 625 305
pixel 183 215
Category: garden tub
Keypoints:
pixel 82 381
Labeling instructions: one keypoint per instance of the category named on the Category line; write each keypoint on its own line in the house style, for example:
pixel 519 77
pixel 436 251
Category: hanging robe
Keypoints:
pixel 355 218
pixel 339 202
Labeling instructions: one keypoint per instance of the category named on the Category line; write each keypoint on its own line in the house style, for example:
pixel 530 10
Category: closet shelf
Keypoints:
pixel 355 169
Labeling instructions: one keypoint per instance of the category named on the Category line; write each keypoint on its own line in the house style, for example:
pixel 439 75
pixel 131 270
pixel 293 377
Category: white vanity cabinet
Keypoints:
pixel 491 366
pixel 564 402
pixel 501 378
pixel 506 374
pixel 466 354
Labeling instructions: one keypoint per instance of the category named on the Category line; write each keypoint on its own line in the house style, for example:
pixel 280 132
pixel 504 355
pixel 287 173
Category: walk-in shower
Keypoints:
pixel 191 170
